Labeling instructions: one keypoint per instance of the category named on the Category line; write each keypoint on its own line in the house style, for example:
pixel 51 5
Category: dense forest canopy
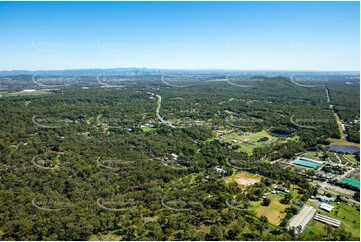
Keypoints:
pixel 77 163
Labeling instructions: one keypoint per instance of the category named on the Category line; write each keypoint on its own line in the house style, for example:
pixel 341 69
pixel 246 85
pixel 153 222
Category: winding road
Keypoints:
pixel 159 101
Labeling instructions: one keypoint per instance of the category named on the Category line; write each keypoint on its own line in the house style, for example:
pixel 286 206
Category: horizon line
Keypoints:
pixel 182 69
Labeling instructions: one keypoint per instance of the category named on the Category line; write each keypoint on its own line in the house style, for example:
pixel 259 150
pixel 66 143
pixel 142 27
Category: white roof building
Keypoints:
pixel 303 217
pixel 324 219
pixel 174 156
pixel 326 207
pixel 325 199
pixel 220 170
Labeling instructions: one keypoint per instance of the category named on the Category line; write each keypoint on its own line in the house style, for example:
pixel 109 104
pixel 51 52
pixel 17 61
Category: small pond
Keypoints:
pixel 344 148
pixel 280 135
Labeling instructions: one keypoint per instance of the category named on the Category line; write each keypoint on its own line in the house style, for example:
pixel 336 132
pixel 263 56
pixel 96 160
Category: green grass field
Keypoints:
pixel 248 142
pixel 106 237
pixel 274 212
pixel 313 155
pixel 355 175
pixel 35 93
pixel 342 142
pixel 351 158
pixel 148 129
pixel 294 192
pixel 348 215
pixel 314 227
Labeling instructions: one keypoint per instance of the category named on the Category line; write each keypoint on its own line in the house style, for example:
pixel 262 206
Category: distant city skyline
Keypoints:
pixel 249 36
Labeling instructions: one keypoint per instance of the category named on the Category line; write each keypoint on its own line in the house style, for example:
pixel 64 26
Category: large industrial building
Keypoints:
pixel 302 218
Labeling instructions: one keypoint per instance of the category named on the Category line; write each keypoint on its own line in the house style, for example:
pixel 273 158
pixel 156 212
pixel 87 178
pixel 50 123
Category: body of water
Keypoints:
pixel 344 148
pixel 280 135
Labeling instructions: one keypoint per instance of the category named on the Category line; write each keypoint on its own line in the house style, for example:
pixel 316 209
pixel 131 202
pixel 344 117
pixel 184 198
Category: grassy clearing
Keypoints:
pixel 248 141
pixel 348 215
pixel 314 227
pixel 274 212
pixel 313 155
pixel 106 237
pixel 295 193
pixel 342 142
pixel 339 123
pixel 89 120
pixel 355 175
pixel 147 129
pixel 243 178
pixel 35 93
pixel 205 229
pixel 151 219
pixel 351 158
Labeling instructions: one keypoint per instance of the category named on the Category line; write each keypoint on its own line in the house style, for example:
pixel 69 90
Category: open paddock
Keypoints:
pixel 275 212
pixel 244 178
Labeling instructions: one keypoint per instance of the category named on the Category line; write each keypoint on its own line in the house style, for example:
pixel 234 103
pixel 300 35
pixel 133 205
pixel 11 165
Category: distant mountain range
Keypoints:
pixel 77 72
pixel 134 70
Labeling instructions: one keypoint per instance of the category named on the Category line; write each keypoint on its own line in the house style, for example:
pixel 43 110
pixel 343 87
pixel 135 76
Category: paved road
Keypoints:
pixel 327 94
pixel 334 193
pixel 302 85
pixel 158 115
pixel 339 160
pixel 341 126
pixel 340 177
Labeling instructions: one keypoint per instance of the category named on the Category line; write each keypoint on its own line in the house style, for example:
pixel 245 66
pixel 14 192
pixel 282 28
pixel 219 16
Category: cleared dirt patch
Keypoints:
pixel 244 178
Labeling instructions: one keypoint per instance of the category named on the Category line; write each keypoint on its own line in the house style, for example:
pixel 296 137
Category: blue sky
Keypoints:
pixel 180 35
